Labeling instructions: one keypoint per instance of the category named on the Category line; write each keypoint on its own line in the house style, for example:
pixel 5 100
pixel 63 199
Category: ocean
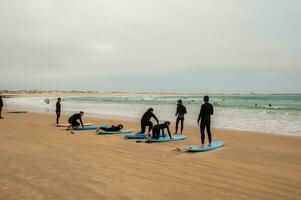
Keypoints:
pixel 279 114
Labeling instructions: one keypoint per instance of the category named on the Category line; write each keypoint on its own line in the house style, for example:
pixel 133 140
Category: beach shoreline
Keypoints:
pixel 40 161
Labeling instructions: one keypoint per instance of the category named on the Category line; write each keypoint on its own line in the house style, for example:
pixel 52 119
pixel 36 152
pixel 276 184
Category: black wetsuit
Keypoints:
pixel 158 128
pixel 1 105
pixel 112 128
pixel 73 120
pixel 58 112
pixel 181 111
pixel 145 121
pixel 205 113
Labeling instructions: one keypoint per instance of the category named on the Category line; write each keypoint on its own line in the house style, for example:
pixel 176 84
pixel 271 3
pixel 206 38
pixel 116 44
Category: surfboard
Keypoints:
pixel 115 132
pixel 89 127
pixel 66 125
pixel 167 139
pixel 214 145
pixel 139 136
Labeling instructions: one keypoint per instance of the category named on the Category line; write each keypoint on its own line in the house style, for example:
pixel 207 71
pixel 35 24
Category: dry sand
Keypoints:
pixel 41 161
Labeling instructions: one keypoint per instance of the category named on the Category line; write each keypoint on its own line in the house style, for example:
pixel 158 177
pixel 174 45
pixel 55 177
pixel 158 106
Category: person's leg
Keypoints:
pixel 106 129
pixel 143 126
pixel 156 133
pixel 58 117
pixel 182 125
pixel 150 126
pixel 177 125
pixel 202 128
pixel 1 112
pixel 208 133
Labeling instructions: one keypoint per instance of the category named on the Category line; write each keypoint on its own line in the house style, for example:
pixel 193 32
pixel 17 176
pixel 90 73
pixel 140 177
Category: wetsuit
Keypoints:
pixel 1 105
pixel 158 128
pixel 205 113
pixel 73 120
pixel 112 128
pixel 181 111
pixel 145 121
pixel 58 111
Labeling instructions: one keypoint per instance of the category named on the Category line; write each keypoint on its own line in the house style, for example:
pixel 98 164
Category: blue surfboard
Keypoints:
pixel 89 127
pixel 167 139
pixel 139 136
pixel 214 145
pixel 115 132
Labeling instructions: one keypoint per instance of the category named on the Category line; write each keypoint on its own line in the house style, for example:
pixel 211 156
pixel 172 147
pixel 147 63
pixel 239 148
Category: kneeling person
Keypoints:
pixel 160 128
pixel 73 120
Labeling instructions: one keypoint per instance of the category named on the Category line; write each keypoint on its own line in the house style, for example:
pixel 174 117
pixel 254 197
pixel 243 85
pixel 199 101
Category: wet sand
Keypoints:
pixel 40 161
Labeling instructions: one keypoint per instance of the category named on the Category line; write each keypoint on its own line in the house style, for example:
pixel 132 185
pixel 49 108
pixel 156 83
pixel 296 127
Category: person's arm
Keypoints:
pixel 211 110
pixel 200 115
pixel 185 111
pixel 81 122
pixel 177 111
pixel 168 131
pixel 154 116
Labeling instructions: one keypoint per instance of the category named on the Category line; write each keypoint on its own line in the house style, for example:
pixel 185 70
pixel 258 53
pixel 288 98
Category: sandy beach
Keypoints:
pixel 41 161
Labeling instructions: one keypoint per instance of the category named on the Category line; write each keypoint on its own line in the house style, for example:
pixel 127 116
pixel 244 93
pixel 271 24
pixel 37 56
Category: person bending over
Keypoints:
pixel 160 128
pixel 181 111
pixel 58 110
pixel 205 113
pixel 73 120
pixel 145 121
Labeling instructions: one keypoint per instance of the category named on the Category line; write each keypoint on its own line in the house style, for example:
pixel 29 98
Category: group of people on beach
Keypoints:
pixel 204 121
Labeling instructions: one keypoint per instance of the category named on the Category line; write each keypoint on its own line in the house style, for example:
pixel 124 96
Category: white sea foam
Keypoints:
pixel 235 113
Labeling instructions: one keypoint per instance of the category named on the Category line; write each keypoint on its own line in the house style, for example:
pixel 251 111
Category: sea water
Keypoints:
pixel 261 113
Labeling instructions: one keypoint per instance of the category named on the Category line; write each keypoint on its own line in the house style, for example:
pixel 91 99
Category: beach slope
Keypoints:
pixel 41 161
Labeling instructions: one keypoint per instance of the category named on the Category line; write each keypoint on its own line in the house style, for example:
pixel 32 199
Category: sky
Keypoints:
pixel 151 46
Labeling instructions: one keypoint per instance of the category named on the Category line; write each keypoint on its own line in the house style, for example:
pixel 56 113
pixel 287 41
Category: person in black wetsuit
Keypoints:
pixel 58 110
pixel 73 120
pixel 205 113
pixel 145 120
pixel 1 105
pixel 160 128
pixel 113 128
pixel 181 111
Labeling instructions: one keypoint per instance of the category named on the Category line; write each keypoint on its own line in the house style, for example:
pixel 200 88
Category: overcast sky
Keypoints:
pixel 151 45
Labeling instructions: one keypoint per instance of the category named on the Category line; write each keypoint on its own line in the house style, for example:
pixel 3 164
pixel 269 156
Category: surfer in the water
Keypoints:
pixel 160 128
pixel 205 113
pixel 181 111
pixel 58 110
pixel 145 121
pixel 73 120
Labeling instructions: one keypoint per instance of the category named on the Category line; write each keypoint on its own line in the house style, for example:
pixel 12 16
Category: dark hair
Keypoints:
pixel 150 109
pixel 206 98
pixel 81 112
pixel 167 123
pixel 121 126
pixel 59 98
pixel 180 101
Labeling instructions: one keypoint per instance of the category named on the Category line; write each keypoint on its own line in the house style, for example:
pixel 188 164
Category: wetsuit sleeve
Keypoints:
pixel 154 116
pixel 168 131
pixel 81 122
pixel 177 111
pixel 185 111
pixel 58 107
pixel 200 115
pixel 211 110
